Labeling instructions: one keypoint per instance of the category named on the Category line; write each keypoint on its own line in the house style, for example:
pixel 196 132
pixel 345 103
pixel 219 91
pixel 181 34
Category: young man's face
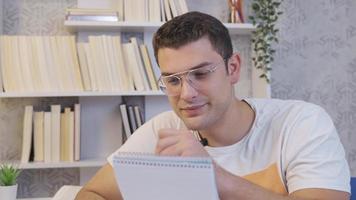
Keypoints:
pixel 202 102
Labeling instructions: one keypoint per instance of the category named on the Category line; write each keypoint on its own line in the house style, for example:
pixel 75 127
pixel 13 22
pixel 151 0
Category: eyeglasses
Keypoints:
pixel 171 85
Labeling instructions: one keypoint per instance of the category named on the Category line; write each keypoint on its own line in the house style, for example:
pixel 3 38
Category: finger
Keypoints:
pixel 171 151
pixel 166 132
pixel 163 143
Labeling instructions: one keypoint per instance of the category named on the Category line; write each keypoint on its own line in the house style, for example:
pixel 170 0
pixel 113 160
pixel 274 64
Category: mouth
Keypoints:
pixel 192 110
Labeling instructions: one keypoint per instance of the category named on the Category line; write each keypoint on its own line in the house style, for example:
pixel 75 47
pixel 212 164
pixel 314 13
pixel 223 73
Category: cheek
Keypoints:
pixel 173 101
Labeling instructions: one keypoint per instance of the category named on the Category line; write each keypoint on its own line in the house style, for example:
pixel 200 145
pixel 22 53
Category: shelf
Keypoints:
pixel 78 94
pixel 82 163
pixel 77 26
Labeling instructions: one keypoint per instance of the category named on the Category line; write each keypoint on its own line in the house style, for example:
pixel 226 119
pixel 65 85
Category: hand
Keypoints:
pixel 172 142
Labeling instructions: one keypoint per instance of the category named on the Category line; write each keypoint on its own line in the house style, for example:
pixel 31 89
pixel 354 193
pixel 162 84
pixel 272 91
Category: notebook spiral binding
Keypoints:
pixel 151 160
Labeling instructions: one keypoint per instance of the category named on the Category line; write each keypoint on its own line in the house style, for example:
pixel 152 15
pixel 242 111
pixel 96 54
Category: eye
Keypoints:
pixel 172 80
pixel 200 74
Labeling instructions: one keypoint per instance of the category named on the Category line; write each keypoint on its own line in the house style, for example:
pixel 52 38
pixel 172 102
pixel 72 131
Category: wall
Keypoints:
pixel 316 61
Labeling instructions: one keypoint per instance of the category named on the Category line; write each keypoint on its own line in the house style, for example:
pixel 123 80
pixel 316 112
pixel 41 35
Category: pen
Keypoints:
pixel 202 140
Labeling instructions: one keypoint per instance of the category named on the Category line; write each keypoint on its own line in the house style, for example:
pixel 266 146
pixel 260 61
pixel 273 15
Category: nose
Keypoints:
pixel 187 91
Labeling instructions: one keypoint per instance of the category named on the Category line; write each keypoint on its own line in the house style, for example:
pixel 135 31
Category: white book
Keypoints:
pixel 58 64
pixel 42 66
pixel 133 68
pixel 91 67
pixel 128 8
pixel 26 64
pixel 83 63
pixel 173 7
pixel 132 119
pixel 138 116
pixel 101 71
pixel 27 134
pixel 125 120
pixel 47 137
pixel 119 4
pixel 183 6
pixel 126 79
pixel 77 132
pixel 167 10
pixel 55 132
pixel 163 14
pixel 74 63
pixel 148 66
pixel 188 178
pixel 67 135
pixel 70 136
pixel 38 136
pixel 5 55
pixel 67 77
pixel 154 11
pixel 50 64
pixel 139 63
pixel 110 63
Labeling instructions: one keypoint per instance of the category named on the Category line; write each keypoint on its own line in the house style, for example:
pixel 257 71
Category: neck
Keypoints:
pixel 232 127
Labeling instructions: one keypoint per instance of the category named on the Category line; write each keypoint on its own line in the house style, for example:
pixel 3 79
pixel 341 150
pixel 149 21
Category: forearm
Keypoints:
pixel 84 194
pixel 232 187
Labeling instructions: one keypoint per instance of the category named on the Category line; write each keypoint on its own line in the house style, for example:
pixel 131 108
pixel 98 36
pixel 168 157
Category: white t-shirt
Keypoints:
pixel 292 145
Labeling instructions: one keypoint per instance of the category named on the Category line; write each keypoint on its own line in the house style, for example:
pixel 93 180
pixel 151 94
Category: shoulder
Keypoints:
pixel 285 109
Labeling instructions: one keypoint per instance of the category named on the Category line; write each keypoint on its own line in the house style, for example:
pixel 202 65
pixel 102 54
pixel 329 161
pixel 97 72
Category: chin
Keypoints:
pixel 195 123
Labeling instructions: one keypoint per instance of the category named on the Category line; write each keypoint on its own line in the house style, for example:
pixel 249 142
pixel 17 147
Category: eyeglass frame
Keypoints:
pixel 179 76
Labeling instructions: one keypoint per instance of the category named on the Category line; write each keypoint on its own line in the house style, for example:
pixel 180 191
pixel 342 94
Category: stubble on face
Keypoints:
pixel 201 109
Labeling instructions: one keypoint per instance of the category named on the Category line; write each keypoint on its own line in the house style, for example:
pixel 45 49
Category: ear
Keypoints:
pixel 234 65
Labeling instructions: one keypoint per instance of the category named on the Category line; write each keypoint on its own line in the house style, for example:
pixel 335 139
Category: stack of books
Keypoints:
pixel 51 136
pixel 85 14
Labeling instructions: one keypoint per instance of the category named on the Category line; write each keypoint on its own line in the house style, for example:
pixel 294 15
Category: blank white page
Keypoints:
pixel 146 176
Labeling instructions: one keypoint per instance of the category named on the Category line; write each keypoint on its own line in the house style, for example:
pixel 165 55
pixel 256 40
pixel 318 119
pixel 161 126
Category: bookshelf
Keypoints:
pixel 100 108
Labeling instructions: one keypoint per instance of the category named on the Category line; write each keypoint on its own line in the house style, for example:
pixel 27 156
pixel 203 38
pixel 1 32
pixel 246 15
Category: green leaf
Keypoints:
pixel 255 7
pixel 8 175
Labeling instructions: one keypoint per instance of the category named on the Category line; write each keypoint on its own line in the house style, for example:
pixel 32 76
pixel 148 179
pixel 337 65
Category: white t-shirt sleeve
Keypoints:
pixel 314 155
pixel 144 139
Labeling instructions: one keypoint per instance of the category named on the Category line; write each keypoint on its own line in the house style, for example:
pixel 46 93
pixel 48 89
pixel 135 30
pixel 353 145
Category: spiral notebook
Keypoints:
pixel 147 176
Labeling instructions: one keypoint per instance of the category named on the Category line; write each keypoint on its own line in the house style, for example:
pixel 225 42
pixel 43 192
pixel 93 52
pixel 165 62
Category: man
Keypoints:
pixel 262 149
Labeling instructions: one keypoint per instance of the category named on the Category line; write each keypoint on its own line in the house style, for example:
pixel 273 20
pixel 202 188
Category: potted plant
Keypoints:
pixel 264 16
pixel 8 184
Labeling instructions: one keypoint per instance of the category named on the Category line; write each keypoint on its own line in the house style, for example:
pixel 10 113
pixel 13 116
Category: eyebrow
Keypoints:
pixel 203 64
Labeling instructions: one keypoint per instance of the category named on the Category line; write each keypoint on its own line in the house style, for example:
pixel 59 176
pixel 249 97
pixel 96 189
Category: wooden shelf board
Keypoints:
pixel 78 94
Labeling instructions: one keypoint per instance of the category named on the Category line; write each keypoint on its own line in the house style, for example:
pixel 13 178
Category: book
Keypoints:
pixel 47 137
pixel 139 63
pixel 164 177
pixel 67 135
pixel 27 134
pixel 125 120
pixel 38 136
pixel 86 14
pixel 55 132
pixel 132 119
pixel 138 116
pixel 77 132
pixel 148 66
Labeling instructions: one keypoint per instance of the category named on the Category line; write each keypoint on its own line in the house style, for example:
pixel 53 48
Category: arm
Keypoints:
pixel 230 186
pixel 102 186
pixel 234 187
